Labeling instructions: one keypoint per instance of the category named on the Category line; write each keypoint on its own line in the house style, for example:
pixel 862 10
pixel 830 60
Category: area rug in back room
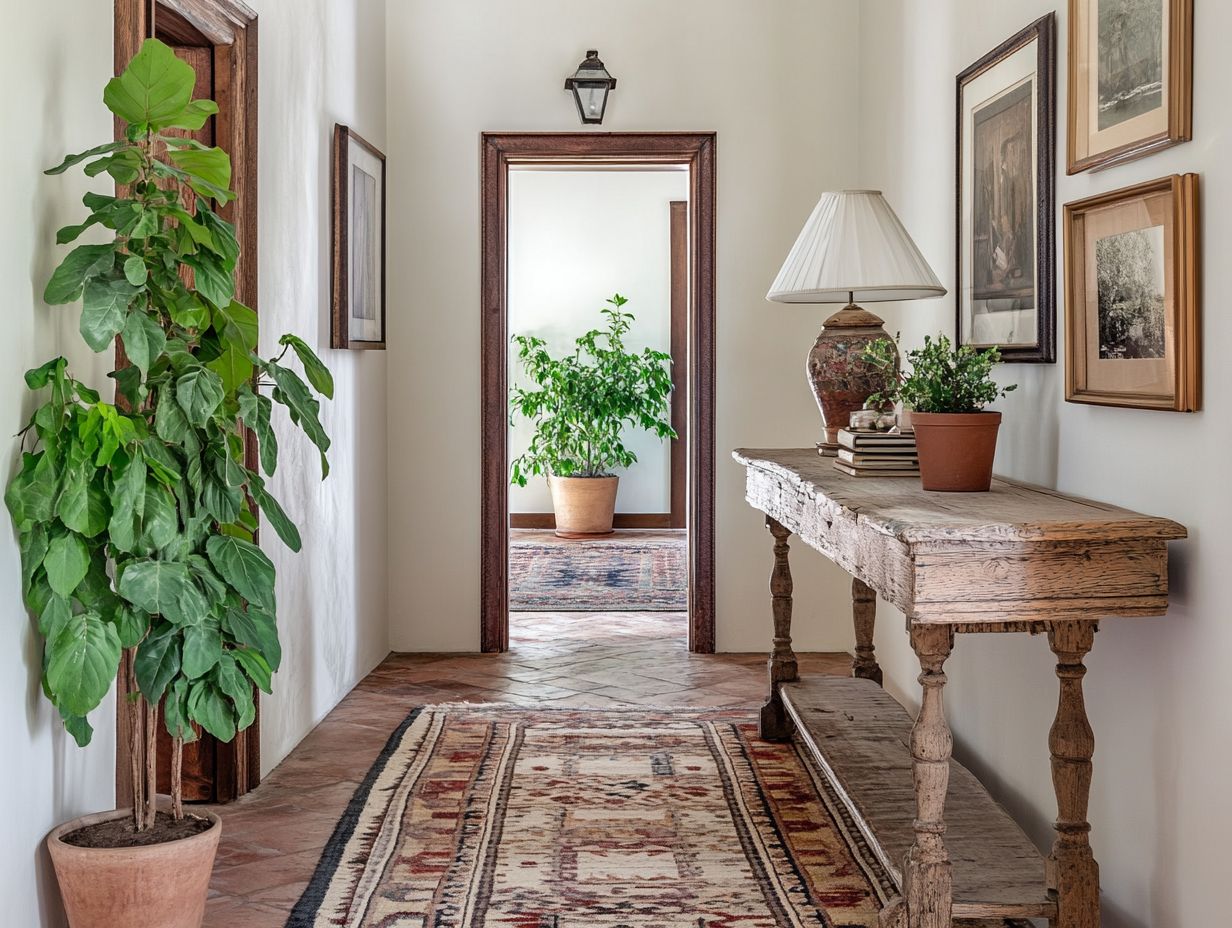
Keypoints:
pixel 599 576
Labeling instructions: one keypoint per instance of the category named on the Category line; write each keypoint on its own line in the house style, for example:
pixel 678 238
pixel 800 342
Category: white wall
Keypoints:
pixel 775 81
pixel 575 238
pixel 1157 691
pixel 55 76
pixel 321 62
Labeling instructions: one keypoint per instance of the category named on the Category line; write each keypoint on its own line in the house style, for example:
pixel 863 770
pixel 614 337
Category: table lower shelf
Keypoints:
pixel 860 737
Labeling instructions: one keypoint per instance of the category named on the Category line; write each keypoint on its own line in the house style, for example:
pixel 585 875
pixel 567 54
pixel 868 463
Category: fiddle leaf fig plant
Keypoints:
pixel 136 519
pixel 942 378
pixel 583 402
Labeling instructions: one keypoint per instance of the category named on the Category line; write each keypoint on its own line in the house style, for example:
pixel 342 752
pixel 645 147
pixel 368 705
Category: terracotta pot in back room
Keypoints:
pixel 956 449
pixel 156 886
pixel 583 505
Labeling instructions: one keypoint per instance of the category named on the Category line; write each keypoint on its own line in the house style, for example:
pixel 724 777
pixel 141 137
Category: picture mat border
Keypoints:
pixel 1187 346
pixel 340 315
pixel 1044 32
pixel 1178 84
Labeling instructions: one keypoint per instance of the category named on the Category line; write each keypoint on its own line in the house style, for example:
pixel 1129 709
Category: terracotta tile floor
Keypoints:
pixel 273 837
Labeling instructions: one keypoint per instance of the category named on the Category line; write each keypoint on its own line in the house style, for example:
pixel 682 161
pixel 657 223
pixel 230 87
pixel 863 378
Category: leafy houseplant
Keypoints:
pixel 946 390
pixel 580 407
pixel 136 520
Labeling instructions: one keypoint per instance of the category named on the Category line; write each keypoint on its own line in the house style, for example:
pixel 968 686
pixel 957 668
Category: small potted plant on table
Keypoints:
pixel 136 520
pixel 946 392
pixel 581 405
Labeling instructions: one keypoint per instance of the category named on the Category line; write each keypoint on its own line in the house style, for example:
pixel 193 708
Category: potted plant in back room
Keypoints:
pixel 581 405
pixel 136 520
pixel 946 392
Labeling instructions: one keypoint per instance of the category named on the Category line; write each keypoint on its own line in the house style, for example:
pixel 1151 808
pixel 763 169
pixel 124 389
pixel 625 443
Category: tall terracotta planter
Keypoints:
pixel 956 449
pixel 583 505
pixel 157 886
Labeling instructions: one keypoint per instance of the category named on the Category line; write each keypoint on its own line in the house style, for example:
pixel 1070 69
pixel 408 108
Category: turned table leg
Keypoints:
pixel 1073 874
pixel 864 616
pixel 927 876
pixel 775 724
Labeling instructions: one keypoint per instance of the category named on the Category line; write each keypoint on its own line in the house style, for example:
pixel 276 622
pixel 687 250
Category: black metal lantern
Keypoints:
pixel 590 85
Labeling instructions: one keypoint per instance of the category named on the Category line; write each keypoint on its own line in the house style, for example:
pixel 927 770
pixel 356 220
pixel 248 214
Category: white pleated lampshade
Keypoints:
pixel 854 244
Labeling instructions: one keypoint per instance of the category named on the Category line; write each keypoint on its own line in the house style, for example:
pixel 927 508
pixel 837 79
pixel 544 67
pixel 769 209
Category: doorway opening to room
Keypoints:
pixel 570 221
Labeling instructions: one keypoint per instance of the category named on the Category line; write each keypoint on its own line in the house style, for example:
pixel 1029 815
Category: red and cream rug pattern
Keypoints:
pixel 514 817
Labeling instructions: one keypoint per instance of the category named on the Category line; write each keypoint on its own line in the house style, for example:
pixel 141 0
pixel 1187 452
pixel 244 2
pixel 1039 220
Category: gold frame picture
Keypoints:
pixel 1130 79
pixel 1131 297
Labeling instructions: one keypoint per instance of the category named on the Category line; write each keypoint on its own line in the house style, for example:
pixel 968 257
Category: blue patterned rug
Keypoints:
pixel 599 576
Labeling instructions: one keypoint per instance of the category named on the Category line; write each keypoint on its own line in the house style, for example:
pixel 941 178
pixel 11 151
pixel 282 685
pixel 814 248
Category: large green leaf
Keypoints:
pixel 77 726
pixel 256 666
pixel 237 324
pixel 83 504
pixel 67 561
pixel 158 660
pixel 55 617
pixel 202 649
pixel 275 515
pixel 194 116
pixel 33 546
pixel 80 265
pixel 82 663
pixel 160 523
pixel 69 161
pixel 131 625
pixel 175 711
pixel 212 165
pixel 31 496
pixel 144 340
pixel 245 567
pixel 212 279
pixel 233 682
pixel 166 588
pixel 153 90
pixel 255 629
pixel 233 367
pixel 210 708
pixel 305 411
pixel 128 502
pixel 318 374
pixel 103 311
pixel 199 393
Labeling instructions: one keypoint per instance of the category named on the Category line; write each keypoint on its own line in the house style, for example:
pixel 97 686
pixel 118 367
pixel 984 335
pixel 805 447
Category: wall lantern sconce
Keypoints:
pixel 590 85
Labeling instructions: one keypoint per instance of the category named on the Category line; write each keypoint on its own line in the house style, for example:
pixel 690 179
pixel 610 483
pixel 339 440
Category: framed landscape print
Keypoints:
pixel 358 261
pixel 1130 79
pixel 1006 159
pixel 1131 296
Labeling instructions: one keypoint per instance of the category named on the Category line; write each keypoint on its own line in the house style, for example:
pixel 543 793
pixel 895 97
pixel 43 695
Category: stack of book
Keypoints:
pixel 877 454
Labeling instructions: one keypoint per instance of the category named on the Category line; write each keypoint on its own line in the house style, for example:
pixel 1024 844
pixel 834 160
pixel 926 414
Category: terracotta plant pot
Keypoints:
pixel 583 505
pixel 956 449
pixel 157 886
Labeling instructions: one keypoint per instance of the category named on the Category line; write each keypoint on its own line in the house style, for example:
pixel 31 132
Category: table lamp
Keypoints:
pixel 853 247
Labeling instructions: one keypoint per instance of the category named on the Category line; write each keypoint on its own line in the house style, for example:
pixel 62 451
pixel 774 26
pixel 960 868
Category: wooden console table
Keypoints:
pixel 1017 559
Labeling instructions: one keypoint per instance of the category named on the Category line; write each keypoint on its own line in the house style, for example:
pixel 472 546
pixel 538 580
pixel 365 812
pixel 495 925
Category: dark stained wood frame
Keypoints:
pixel 1180 94
pixel 1044 32
pixel 340 302
pixel 677 515
pixel 498 151
pixel 230 28
pixel 1186 393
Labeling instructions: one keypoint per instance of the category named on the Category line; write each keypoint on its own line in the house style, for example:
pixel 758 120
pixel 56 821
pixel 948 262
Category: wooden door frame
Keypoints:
pixel 230 28
pixel 499 150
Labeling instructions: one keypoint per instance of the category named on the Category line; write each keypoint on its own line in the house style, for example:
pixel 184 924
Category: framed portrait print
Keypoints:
pixel 1006 158
pixel 1130 79
pixel 1131 297
pixel 358 261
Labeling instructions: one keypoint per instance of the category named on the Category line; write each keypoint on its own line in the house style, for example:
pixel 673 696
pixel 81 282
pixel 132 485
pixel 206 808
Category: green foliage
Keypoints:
pixel 585 400
pixel 942 378
pixel 135 520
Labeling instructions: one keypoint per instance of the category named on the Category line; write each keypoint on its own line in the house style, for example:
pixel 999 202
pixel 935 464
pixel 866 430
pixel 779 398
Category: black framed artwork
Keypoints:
pixel 357 319
pixel 1006 236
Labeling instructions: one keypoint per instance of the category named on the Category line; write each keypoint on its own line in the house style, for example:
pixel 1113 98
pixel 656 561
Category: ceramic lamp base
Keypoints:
pixel 842 380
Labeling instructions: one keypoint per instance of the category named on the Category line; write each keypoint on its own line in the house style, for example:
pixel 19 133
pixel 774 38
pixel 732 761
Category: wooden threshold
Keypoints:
pixel 860 737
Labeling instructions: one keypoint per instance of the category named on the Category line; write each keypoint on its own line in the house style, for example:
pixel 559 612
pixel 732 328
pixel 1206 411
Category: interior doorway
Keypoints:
pixel 218 38
pixel 668 507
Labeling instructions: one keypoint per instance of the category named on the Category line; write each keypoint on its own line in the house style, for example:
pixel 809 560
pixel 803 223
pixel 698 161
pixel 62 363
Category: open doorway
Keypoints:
pixel 581 238
pixel 570 219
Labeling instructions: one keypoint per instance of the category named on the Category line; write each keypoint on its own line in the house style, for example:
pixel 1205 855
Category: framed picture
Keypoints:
pixel 1006 209
pixel 1131 296
pixel 1130 79
pixel 358 179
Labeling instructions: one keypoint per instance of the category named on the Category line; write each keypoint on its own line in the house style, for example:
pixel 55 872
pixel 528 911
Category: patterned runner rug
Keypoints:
pixel 594 576
pixel 502 817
